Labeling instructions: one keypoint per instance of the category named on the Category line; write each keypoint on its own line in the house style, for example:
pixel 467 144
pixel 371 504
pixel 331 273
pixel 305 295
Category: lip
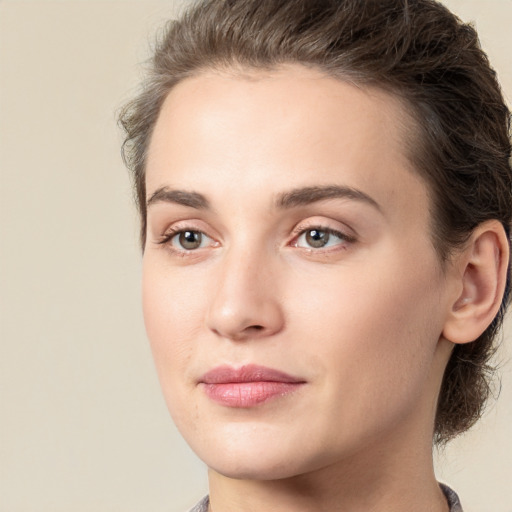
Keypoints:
pixel 247 386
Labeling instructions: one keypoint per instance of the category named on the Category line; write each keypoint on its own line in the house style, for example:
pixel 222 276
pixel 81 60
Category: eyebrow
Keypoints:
pixel 182 197
pixel 291 199
pixel 307 195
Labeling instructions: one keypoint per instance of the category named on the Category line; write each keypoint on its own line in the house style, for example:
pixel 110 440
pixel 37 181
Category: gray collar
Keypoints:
pixel 451 497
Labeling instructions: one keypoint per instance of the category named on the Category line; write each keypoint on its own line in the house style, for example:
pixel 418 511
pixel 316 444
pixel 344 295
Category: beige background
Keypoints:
pixel 83 426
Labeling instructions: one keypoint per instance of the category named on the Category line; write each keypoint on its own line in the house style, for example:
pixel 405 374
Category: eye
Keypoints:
pixel 187 240
pixel 319 238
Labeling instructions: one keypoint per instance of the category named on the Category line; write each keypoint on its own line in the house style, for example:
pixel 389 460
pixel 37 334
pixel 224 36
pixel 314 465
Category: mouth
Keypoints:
pixel 248 385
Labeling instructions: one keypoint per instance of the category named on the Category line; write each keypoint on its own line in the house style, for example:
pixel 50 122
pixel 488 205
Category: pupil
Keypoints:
pixel 190 239
pixel 316 238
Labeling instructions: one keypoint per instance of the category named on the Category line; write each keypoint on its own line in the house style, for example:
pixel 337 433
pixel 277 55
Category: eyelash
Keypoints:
pixel 167 238
pixel 303 230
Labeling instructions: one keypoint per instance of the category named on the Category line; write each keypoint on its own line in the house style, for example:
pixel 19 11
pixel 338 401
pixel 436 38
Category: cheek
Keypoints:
pixel 172 311
pixel 171 318
pixel 374 329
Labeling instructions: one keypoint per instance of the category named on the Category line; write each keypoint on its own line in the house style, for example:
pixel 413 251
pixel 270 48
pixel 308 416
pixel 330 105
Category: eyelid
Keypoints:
pixel 170 234
pixel 346 234
pixel 323 224
pixel 166 236
pixel 341 243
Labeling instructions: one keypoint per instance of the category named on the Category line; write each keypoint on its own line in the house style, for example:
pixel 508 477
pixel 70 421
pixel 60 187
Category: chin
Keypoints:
pixel 245 451
pixel 259 452
pixel 262 466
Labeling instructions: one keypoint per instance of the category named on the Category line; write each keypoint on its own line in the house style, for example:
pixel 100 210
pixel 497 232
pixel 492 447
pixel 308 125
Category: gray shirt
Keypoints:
pixel 451 497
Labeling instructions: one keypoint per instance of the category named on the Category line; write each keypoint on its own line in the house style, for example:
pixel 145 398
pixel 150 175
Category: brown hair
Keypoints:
pixel 416 49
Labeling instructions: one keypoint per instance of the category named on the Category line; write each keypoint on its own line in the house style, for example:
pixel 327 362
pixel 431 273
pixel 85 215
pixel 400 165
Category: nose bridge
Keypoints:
pixel 244 303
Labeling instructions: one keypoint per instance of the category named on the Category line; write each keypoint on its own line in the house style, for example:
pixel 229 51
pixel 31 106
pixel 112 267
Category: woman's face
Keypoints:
pixel 292 296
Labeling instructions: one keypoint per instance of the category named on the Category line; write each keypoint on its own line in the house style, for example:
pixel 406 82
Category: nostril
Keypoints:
pixel 251 331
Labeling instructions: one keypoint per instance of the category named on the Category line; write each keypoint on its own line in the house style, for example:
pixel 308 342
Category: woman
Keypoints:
pixel 325 197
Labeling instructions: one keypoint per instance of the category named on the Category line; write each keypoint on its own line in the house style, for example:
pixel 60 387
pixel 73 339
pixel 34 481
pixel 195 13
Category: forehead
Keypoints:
pixel 293 126
pixel 307 103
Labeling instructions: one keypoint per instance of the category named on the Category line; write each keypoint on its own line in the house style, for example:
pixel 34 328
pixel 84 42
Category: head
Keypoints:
pixel 417 53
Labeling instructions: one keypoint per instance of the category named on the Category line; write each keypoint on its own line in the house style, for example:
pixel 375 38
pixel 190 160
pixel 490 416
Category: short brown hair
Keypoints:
pixel 420 52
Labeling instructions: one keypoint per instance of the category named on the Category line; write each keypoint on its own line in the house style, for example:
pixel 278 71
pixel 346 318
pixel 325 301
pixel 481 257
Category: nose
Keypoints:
pixel 244 303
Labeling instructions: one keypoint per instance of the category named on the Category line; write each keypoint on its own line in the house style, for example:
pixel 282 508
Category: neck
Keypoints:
pixel 375 479
pixel 393 471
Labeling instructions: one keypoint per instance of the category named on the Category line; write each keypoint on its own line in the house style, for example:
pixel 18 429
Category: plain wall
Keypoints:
pixel 83 426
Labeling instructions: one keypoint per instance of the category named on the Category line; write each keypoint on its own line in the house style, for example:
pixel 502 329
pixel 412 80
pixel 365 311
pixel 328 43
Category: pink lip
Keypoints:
pixel 247 386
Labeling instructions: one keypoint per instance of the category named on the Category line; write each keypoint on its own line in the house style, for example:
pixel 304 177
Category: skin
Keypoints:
pixel 359 321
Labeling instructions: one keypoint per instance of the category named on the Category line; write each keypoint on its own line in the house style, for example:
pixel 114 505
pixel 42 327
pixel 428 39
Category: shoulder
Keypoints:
pixel 451 497
pixel 202 506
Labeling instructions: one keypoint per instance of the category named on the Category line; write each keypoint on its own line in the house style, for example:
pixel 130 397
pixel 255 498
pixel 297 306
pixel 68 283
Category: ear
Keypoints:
pixel 482 268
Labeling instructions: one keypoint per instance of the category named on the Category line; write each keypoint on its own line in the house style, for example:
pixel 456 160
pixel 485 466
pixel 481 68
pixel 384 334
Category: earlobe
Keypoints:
pixel 483 267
